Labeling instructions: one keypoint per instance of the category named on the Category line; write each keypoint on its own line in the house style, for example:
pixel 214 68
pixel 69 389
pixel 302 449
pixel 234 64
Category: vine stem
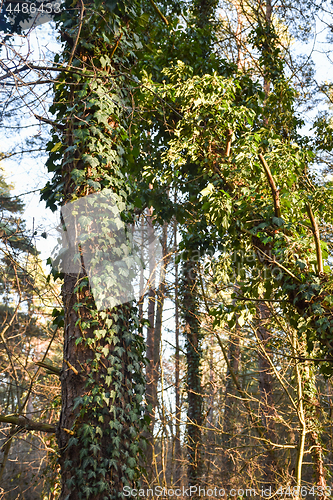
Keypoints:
pixel 159 13
pixel 116 45
pixel 275 191
pixel 315 231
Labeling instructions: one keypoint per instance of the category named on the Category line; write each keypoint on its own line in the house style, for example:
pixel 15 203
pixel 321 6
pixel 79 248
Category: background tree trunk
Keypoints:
pixel 269 465
pixel 151 389
pixel 231 415
pixel 193 359
pixel 178 450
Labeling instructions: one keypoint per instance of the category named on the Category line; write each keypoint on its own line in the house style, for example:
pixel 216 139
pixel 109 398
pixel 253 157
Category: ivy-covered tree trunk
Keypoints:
pixel 97 432
pixel 102 376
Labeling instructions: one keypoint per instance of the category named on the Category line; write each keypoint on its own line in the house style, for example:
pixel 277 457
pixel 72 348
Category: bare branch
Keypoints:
pixel 28 424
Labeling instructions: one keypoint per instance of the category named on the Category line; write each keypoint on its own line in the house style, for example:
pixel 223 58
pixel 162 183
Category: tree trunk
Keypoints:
pixel 193 358
pixel 151 389
pixel 99 414
pixel 267 410
pixel 230 413
pixel 312 409
pixel 178 450
pixel 160 296
pixel 154 334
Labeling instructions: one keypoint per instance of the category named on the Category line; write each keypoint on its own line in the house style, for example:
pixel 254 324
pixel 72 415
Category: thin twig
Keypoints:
pixel 49 122
pixel 77 35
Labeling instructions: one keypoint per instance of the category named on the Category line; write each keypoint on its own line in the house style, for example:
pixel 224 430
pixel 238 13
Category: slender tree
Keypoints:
pixel 193 357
